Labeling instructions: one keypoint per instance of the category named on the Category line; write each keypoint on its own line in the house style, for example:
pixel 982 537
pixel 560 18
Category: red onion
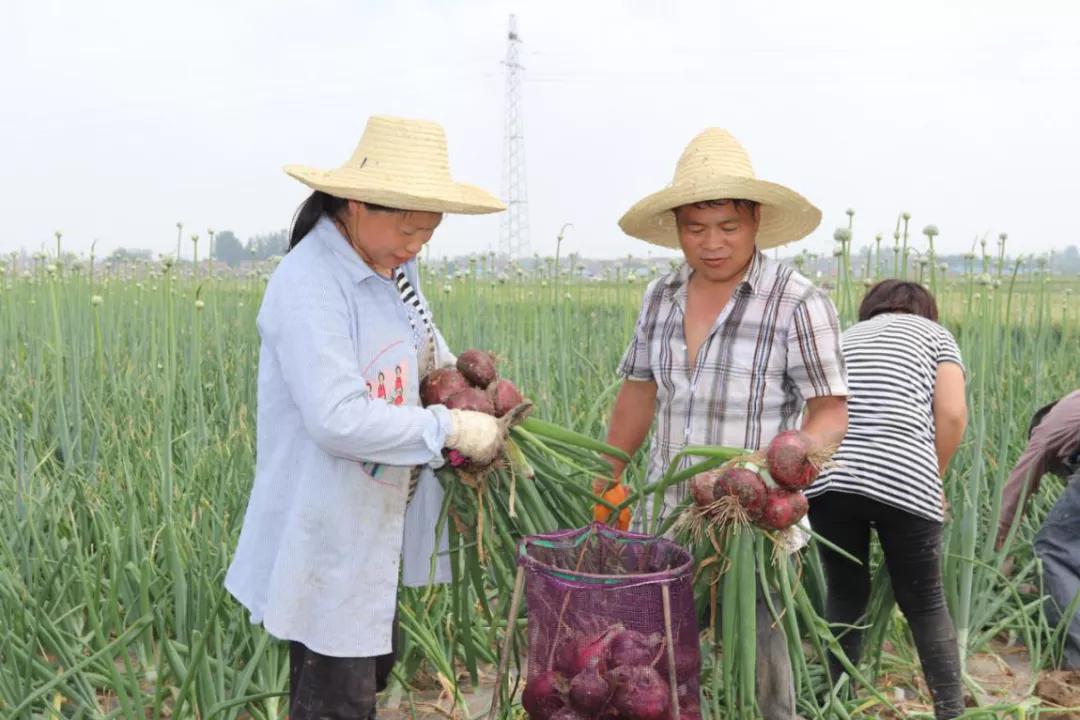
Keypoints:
pixel 576 652
pixel 687 662
pixel 568 713
pixel 631 647
pixel 470 399
pixel 478 367
pixel 703 488
pixel 640 693
pixel 544 695
pixel 589 692
pixel 788 458
pixel 747 487
pixel 783 509
pixel 504 396
pixel 439 385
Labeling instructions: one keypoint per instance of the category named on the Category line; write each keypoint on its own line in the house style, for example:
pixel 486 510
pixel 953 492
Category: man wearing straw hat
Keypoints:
pixel 338 507
pixel 731 347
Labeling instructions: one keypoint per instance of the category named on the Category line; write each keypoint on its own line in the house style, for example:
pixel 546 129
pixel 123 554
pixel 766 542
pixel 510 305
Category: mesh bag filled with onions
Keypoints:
pixel 611 626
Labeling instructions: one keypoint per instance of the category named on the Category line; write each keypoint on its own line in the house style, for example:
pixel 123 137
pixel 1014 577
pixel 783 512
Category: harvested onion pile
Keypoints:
pixel 617 674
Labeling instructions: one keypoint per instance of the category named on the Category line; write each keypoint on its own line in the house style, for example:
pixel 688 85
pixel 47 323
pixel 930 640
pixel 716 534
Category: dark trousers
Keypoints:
pixel 912 546
pixel 1058 546
pixel 333 688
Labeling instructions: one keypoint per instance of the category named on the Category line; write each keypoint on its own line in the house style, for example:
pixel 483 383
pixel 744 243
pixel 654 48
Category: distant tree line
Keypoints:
pixel 227 248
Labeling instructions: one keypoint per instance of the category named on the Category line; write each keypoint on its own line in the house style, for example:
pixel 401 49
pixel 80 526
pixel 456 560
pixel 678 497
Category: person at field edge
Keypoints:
pixel 344 498
pixel 906 417
pixel 730 347
pixel 1053 447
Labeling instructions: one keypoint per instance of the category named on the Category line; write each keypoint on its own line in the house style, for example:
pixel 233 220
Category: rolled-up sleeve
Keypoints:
pixel 815 361
pixel 309 335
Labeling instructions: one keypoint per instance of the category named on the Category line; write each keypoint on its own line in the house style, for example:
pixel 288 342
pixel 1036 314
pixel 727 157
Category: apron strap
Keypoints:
pixel 425 354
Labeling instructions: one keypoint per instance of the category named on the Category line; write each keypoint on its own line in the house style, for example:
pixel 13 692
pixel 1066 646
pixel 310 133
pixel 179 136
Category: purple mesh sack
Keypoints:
pixel 598 646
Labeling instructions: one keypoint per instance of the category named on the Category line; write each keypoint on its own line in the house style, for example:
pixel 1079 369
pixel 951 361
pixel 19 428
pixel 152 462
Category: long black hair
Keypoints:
pixel 318 204
pixel 314 207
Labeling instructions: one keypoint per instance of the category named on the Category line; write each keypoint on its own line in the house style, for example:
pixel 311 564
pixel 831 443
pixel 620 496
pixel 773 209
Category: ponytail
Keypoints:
pixel 314 207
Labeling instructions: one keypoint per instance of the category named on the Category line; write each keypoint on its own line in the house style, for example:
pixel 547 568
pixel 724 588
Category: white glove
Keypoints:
pixel 794 538
pixel 478 436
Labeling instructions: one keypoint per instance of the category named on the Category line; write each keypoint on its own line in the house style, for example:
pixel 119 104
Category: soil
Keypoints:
pixel 999 676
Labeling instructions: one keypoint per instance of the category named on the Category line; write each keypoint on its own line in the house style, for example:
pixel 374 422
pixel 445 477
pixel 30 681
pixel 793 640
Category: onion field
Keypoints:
pixel 127 444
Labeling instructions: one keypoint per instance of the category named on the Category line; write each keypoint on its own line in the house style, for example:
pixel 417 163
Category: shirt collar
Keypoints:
pixel 751 278
pixel 328 234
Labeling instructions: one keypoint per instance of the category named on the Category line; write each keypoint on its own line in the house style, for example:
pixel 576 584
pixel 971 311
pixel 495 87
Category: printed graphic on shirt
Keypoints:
pixel 386 382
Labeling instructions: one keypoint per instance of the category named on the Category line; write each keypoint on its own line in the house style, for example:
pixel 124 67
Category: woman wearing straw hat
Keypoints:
pixel 730 347
pixel 318 558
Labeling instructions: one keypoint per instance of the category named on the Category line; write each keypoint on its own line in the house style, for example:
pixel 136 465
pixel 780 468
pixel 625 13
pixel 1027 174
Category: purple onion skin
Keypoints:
pixel 471 399
pixel 782 509
pixel 687 663
pixel 545 695
pixel 575 653
pixel 640 693
pixel 589 692
pixel 504 396
pixel 478 367
pixel 568 713
pixel 748 488
pixel 788 461
pixel 440 385
pixel 631 647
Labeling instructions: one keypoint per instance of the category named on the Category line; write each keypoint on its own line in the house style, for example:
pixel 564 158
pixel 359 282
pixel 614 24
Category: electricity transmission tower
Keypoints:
pixel 514 231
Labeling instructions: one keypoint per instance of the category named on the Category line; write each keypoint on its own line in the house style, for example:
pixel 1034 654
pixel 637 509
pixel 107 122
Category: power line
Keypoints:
pixel 514 231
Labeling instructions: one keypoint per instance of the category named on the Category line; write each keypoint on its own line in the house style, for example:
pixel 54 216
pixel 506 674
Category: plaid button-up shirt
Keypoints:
pixel 774 345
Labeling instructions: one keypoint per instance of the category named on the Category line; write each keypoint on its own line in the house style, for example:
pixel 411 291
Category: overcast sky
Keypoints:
pixel 120 118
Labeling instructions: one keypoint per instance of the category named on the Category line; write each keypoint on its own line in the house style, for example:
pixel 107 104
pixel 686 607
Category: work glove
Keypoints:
pixel 615 493
pixel 476 436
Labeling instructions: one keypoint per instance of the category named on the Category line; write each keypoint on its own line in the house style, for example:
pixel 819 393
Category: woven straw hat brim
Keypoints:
pixel 786 216
pixel 413 193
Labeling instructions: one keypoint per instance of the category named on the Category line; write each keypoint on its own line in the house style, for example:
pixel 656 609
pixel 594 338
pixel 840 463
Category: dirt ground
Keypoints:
pixel 1002 675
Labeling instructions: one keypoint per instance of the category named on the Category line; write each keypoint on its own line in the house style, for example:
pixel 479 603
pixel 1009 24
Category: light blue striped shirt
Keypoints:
pixel 339 425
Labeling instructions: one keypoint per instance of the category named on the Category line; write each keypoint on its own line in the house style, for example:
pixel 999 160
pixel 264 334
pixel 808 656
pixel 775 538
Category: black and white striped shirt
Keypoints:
pixel 888 453
pixel 422 329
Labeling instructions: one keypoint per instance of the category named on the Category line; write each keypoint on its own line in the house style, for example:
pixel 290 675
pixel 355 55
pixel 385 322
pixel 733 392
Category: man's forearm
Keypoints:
pixel 826 420
pixel 1022 483
pixel 1051 442
pixel 631 418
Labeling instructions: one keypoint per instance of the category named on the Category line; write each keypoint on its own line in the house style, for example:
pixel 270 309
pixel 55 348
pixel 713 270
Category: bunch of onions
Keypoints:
pixel 474 384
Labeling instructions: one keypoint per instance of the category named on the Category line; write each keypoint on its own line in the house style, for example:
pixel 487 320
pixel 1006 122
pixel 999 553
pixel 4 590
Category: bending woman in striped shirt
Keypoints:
pixel 906 416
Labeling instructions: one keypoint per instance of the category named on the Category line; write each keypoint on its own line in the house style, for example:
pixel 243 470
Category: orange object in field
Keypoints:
pixel 614 495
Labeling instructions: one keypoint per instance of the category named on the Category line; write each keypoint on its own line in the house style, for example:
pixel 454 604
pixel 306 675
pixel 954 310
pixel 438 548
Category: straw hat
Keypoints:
pixel 400 163
pixel 714 166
